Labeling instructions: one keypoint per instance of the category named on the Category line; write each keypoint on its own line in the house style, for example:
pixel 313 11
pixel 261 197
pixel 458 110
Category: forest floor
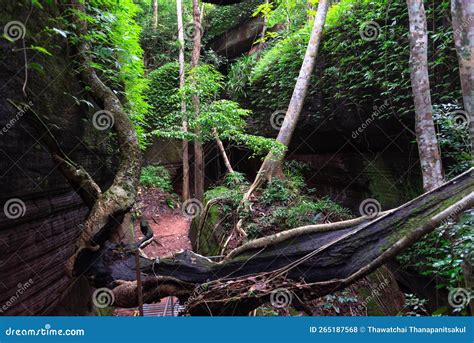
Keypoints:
pixel 169 225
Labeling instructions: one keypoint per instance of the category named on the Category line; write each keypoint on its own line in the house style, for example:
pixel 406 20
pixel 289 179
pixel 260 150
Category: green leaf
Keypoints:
pixel 41 50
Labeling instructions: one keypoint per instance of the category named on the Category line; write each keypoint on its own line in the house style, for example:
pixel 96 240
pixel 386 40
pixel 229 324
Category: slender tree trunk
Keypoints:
pixel 272 164
pixel 179 13
pixel 198 148
pixel 428 148
pixel 154 23
pixel 462 12
pixel 264 31
pixel 223 152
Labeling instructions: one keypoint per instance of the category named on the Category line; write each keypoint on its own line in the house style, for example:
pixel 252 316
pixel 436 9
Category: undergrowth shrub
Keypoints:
pixel 441 253
pixel 282 204
pixel 351 72
pixel 156 176
pixel 453 138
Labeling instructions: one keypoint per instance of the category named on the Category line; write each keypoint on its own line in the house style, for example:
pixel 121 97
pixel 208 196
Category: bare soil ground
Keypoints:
pixel 169 224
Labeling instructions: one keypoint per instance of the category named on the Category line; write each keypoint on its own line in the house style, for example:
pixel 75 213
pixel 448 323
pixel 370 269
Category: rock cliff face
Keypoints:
pixel 40 214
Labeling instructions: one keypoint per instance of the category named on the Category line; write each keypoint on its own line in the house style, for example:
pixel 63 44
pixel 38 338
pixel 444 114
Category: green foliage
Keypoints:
pixel 308 212
pixel 125 35
pixel 220 19
pixel 156 176
pixel 239 76
pixel 441 252
pixel 235 179
pixel 163 97
pixel 453 138
pixel 161 45
pixel 351 71
pixel 334 301
pixel 286 204
pixel 231 189
pixel 278 191
pixel 113 35
pixel 282 205
pixel 415 306
pixel 205 82
pixel 225 116
pixel 292 13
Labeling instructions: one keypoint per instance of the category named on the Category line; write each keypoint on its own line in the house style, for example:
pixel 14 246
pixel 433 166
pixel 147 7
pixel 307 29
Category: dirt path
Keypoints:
pixel 169 225
pixel 170 229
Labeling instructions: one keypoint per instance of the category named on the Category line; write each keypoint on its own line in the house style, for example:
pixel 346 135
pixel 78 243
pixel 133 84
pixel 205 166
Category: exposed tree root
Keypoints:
pixel 107 212
pixel 75 174
pixel 307 229
pixel 308 262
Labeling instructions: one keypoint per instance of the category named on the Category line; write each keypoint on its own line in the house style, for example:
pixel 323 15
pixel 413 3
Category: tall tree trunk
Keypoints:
pixel 428 148
pixel 154 23
pixel 223 152
pixel 198 148
pixel 272 164
pixel 462 12
pixel 179 13
pixel 111 205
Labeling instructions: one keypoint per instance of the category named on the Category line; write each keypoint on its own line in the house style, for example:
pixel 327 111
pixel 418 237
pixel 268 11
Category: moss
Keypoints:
pixel 209 243
pixel 381 185
pixel 420 214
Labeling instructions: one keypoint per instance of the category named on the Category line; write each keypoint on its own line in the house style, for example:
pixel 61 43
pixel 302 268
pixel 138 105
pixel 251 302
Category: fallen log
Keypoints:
pixel 307 261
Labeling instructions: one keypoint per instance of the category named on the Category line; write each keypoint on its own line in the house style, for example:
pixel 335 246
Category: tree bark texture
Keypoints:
pixel 199 162
pixel 272 163
pixel 182 71
pixel 154 23
pixel 428 148
pixel 319 260
pixel 223 152
pixel 108 211
pixel 462 13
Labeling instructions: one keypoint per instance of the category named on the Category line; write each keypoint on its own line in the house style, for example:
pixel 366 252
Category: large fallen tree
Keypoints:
pixel 309 261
